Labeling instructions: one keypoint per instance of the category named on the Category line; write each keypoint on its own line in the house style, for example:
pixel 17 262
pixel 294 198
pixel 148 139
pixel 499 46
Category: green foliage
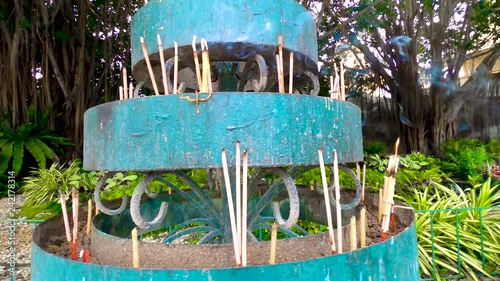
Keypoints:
pixel 439 223
pixel 374 147
pixel 454 146
pixel 40 212
pixel 493 148
pixel 121 184
pixel 310 177
pixel 377 163
pixel 468 162
pixel 417 169
pixel 33 137
pixel 374 180
pixel 43 185
pixel 311 227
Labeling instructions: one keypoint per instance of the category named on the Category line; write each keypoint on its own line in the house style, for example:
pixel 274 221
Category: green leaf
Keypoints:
pixel 18 153
pixel 56 139
pixel 37 153
pixel 5 156
pixel 130 178
pixel 47 151
pixel 3 142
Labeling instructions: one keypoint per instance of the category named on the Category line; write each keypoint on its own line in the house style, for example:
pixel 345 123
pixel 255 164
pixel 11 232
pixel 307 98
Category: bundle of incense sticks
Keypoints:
pixel 388 193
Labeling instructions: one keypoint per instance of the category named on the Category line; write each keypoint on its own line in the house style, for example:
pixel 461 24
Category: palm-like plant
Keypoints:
pixel 33 137
pixel 458 231
pixel 43 185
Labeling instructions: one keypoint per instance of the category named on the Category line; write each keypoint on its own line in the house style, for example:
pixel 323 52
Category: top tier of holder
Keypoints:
pixel 234 30
pixel 166 133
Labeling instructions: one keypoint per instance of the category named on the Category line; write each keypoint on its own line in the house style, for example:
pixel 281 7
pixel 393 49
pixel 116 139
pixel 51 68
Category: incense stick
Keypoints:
pixel 337 200
pixel 278 70
pixel 162 64
pixel 75 215
pixel 131 90
pixel 148 64
pixel 120 92
pixel 274 242
pixel 380 204
pixel 135 248
pixel 327 201
pixel 342 82
pixel 125 83
pixel 362 227
pixel 231 207
pixel 89 215
pixel 363 185
pixel 62 199
pixel 290 81
pixel 336 83
pixel 196 63
pixel 245 210
pixel 176 67
pixel 205 67
pixel 331 87
pixel 353 243
pixel 281 74
pixel 238 193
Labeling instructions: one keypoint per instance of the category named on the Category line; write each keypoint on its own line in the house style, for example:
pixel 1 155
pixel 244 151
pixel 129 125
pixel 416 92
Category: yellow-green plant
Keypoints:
pixel 458 231
pixel 43 185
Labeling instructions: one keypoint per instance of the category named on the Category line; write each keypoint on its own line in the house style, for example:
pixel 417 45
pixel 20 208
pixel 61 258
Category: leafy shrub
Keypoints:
pixel 374 180
pixel 40 212
pixel 43 185
pixel 418 169
pixel 374 147
pixel 468 162
pixel 438 225
pixel 33 137
pixel 310 177
pixel 377 162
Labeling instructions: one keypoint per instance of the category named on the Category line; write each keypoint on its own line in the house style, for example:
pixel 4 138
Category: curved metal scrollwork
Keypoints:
pixel 314 83
pixel 294 202
pixel 331 189
pixel 97 197
pixel 169 65
pixel 135 204
pixel 255 71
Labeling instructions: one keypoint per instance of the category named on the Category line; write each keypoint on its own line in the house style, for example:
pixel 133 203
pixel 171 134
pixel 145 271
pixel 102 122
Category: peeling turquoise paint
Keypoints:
pixel 167 133
pixel 394 260
pixel 237 28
